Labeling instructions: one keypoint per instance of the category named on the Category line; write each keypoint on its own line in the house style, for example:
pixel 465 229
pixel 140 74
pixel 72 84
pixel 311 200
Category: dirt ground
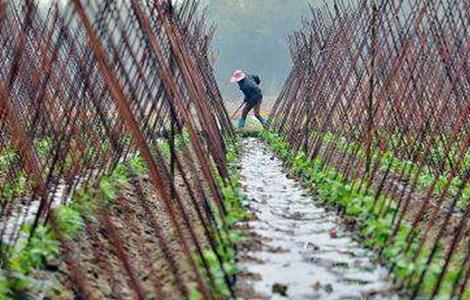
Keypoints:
pixel 130 249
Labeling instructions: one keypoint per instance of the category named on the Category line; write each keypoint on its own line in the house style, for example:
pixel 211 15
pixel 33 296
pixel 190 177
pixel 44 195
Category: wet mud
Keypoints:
pixel 297 249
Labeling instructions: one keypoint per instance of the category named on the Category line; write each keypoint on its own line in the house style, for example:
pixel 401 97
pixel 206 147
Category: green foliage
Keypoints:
pixel 84 203
pixel 14 187
pixel 232 201
pixel 163 145
pixel 233 197
pixel 232 155
pixel 5 290
pixel 181 139
pixel 43 146
pixel 70 221
pixel 388 159
pixel 127 140
pixel 221 290
pixel 194 293
pixel 7 157
pixel 164 148
pixel 108 189
pixel 277 144
pixel 138 165
pixel 28 256
pixel 90 153
pixel 111 185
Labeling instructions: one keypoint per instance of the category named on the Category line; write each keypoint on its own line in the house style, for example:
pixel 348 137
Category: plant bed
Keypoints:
pixel 375 225
pixel 123 243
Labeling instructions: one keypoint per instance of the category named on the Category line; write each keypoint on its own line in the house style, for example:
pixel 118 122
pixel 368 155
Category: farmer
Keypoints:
pixel 249 85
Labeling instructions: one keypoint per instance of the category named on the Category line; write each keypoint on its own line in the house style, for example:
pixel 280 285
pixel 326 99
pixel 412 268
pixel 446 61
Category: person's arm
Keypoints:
pixel 242 94
pixel 257 79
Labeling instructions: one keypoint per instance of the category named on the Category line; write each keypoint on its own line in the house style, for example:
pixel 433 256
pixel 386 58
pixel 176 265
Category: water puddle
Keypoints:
pixel 302 252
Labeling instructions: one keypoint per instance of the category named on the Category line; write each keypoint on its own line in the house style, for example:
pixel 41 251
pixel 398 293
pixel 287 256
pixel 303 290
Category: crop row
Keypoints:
pixel 376 115
pixel 115 149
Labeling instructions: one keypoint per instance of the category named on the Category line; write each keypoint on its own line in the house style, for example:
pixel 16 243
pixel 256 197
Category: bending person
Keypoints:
pixel 249 85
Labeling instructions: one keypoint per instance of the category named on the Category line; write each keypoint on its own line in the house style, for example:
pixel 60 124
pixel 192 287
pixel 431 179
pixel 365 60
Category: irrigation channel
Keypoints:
pixel 300 250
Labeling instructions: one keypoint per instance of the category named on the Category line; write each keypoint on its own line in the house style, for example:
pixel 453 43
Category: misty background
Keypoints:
pixel 252 36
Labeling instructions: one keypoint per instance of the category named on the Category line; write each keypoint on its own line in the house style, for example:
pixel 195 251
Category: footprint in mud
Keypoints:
pixel 277 250
pixel 312 246
pixel 297 216
pixel 308 255
pixel 279 288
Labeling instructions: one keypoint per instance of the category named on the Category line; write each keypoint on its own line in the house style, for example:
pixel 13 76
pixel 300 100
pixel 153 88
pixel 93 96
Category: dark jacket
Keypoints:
pixel 249 87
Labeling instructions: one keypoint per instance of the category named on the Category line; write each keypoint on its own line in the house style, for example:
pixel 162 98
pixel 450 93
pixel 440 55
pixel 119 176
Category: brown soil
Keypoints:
pixel 120 254
pixel 104 271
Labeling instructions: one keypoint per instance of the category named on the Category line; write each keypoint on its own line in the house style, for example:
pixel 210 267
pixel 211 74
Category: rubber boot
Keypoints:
pixel 263 122
pixel 241 123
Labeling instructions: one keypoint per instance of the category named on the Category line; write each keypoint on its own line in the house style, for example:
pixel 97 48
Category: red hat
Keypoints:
pixel 237 76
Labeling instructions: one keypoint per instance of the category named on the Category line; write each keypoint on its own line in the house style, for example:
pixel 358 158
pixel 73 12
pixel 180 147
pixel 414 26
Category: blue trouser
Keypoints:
pixel 248 107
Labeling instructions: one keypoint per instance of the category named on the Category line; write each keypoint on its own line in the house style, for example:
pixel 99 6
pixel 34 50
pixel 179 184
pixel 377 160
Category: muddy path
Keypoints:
pixel 298 249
